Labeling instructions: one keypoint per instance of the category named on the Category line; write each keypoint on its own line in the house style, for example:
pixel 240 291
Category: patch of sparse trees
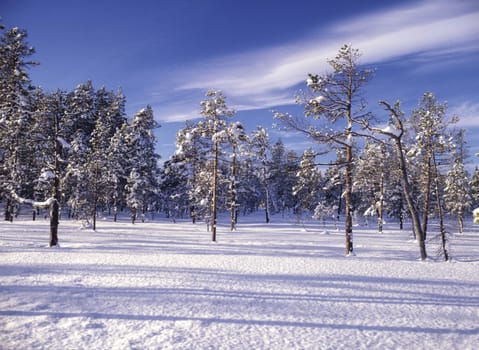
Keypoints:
pixel 79 154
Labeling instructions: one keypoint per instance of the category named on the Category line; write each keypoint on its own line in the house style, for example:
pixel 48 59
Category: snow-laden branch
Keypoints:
pixel 45 204
pixel 63 142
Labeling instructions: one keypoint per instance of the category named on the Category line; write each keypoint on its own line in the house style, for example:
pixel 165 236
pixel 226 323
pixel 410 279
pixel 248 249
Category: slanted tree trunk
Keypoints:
pixel 407 188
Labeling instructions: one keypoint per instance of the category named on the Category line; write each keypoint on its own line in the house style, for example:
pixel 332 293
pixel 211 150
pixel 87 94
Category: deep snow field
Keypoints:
pixel 164 285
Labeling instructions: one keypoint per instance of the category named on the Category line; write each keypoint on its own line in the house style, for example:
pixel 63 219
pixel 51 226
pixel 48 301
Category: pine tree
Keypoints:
pixel 15 117
pixel 80 123
pixel 370 179
pixel 283 167
pixel 431 142
pixel 118 168
pixel 306 187
pixel 215 111
pixel 396 131
pixel 250 189
pixel 474 185
pixel 51 151
pixel 142 181
pixel 335 98
pixel 237 140
pixel 261 147
pixel 109 116
pixel 193 148
pixel 173 185
pixel 457 197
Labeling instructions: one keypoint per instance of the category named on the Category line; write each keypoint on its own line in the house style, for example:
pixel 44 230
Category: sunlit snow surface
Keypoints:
pixel 279 286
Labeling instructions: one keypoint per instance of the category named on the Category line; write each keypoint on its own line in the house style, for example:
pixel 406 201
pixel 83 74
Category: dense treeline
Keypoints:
pixel 79 153
pixel 75 147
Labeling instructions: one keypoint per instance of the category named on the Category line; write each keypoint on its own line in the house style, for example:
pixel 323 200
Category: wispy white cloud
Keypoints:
pixel 263 78
pixel 468 113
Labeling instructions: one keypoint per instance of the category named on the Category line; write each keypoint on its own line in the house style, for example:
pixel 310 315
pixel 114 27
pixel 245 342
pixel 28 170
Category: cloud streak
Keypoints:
pixel 264 78
pixel 468 113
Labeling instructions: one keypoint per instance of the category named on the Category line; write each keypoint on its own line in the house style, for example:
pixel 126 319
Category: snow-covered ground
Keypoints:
pixel 165 285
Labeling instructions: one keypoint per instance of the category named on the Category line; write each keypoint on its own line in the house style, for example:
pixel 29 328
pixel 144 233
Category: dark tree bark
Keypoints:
pixel 215 191
pixel 407 188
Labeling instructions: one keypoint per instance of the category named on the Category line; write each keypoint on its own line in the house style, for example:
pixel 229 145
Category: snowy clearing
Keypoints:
pixel 165 285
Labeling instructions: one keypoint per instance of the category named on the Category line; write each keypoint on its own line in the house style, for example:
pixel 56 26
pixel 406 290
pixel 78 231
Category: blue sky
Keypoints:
pixel 169 53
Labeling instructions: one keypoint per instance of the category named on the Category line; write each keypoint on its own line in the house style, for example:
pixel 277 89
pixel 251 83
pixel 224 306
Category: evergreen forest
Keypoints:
pixel 77 154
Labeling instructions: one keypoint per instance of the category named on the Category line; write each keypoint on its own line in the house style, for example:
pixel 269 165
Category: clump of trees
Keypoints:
pixel 73 150
pixel 78 153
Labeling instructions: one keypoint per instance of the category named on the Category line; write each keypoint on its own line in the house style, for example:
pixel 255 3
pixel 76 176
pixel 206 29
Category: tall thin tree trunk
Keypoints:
pixel 410 202
pixel 8 210
pixel 340 202
pixel 406 186
pixel 115 208
pixel 266 192
pixel 215 189
pixel 442 228
pixel 348 200
pixel 55 205
pixel 55 210
pixel 54 221
pixel 133 215
pixel 233 191
pixel 461 223
pixel 381 202
pixel 427 199
pixel 95 195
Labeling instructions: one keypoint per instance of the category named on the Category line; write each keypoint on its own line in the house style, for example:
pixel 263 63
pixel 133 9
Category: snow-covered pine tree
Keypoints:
pixel 250 190
pixel 142 181
pixel 51 152
pixel 80 122
pixel 395 131
pixel 283 167
pixel 194 145
pixel 306 187
pixel 173 187
pixel 118 169
pixel 215 112
pixel 432 141
pixel 335 98
pixel 109 116
pixel 395 203
pixel 261 148
pixel 333 186
pixel 474 185
pixel 457 193
pixel 237 140
pixel 370 179
pixel 15 118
